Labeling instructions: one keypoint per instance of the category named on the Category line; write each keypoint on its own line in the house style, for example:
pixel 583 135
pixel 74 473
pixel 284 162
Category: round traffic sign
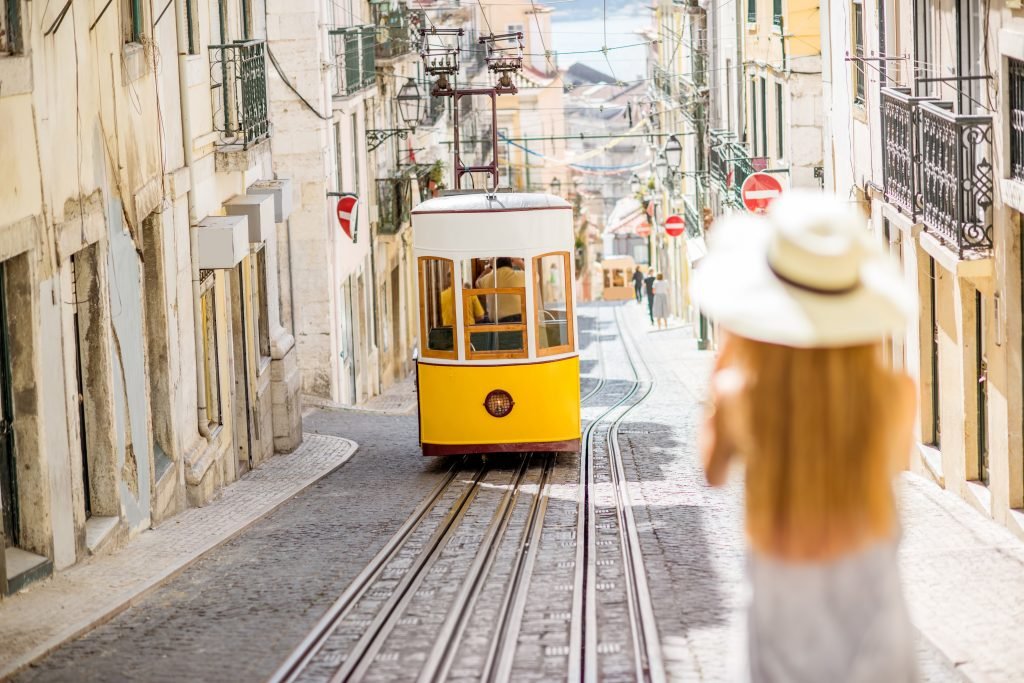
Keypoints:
pixel 643 230
pixel 675 225
pixel 759 190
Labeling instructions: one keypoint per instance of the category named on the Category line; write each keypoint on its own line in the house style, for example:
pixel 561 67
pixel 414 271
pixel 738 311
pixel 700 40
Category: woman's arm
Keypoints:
pixel 716 444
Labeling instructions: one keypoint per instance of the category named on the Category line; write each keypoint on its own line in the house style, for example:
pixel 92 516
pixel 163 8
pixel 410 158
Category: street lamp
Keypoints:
pixel 673 152
pixel 634 184
pixel 556 186
pixel 410 104
pixel 661 165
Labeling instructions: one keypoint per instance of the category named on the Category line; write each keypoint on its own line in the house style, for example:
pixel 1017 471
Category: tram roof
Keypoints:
pixel 481 202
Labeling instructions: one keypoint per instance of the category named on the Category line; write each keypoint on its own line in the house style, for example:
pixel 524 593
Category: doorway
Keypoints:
pixel 245 424
pixel 83 440
pixel 8 468
pixel 396 323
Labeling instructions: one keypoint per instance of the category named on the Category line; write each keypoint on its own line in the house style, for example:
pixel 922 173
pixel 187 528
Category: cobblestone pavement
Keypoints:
pixel 36 621
pixel 238 612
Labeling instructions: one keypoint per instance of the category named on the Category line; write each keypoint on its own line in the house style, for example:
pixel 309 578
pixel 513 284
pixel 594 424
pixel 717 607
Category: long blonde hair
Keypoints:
pixel 814 427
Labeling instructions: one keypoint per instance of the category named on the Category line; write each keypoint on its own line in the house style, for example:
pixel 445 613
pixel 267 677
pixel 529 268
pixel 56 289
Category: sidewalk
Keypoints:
pixel 963 572
pixel 398 399
pixel 90 593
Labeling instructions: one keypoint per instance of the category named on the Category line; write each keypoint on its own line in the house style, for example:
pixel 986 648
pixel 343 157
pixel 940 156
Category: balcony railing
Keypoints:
pixel 395 32
pixel 937 168
pixel 730 165
pixel 663 81
pixel 436 106
pixel 239 72
pixel 354 58
pixel 1017 119
pixel 690 219
pixel 394 204
pixel 956 177
pixel 901 172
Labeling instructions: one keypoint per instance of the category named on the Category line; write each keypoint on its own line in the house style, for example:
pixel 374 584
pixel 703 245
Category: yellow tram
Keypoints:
pixel 498 368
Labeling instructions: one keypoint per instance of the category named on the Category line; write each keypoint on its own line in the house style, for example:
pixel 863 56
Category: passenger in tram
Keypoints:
pixel 801 391
pixel 448 306
pixel 504 308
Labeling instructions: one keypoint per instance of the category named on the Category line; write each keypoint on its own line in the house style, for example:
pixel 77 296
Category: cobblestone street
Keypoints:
pixel 470 569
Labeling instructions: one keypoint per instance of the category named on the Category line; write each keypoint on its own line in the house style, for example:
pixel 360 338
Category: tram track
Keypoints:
pixel 597 595
pixel 328 654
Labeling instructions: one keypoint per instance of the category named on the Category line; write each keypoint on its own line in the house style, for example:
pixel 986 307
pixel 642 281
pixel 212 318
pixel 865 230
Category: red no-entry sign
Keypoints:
pixel 675 225
pixel 759 190
pixel 643 230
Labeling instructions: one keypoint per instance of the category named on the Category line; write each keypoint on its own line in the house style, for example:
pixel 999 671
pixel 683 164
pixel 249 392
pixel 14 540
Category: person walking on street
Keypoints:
pixel 659 310
pixel 638 283
pixel 649 289
pixel 801 393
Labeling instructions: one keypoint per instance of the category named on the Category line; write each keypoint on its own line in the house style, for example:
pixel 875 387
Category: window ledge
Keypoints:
pixel 1012 191
pixel 15 75
pixel 24 568
pixel 979 496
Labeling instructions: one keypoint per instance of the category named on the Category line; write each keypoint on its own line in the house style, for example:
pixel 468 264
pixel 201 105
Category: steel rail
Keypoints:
pixel 583 636
pixel 500 655
pixel 439 660
pixel 361 657
pixel 338 610
pixel 308 648
pixel 647 644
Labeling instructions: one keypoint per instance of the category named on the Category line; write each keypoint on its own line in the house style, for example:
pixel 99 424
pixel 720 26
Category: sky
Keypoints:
pixel 584 25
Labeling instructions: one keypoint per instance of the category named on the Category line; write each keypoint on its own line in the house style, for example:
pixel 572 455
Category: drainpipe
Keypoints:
pixel 193 229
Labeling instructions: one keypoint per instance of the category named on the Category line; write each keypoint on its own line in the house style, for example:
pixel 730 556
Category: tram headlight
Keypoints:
pixel 499 403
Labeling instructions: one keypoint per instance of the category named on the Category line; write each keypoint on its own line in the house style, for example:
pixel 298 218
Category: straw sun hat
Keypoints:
pixel 807 275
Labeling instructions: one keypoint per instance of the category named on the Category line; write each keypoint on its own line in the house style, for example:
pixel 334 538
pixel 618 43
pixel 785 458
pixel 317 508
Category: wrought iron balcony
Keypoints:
pixel 730 165
pixel 663 81
pixel 691 220
pixel 901 170
pixel 239 72
pixel 394 204
pixel 354 58
pixel 436 106
pixel 937 168
pixel 395 37
pixel 956 177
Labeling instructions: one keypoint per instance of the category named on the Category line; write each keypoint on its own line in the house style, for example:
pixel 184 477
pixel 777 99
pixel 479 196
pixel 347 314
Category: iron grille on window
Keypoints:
pixel 239 73
pixel 1017 119
pixel 751 11
pixel 777 12
pixel 730 165
pixel 394 204
pixel 395 37
pixel 354 58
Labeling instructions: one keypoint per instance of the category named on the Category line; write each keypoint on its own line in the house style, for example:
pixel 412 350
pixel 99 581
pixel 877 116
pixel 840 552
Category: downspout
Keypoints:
pixel 193 228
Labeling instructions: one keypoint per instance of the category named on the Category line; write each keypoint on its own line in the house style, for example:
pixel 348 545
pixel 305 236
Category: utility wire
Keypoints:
pixel 287 82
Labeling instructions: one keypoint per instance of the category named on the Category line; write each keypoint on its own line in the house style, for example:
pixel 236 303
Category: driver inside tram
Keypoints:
pixel 507 273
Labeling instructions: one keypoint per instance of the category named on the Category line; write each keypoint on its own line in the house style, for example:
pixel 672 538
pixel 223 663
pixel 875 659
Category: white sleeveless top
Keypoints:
pixel 844 621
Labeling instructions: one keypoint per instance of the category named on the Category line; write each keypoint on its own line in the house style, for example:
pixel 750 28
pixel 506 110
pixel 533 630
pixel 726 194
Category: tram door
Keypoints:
pixel 8 471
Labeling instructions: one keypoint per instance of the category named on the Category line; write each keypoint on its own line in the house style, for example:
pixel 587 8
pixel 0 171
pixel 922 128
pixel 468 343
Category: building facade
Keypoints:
pixel 926 140
pixel 144 361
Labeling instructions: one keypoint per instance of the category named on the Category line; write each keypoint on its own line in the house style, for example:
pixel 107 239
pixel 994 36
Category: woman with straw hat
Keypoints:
pixel 800 391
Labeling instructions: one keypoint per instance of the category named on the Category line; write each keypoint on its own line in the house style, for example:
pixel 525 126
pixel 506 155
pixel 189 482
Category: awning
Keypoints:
pixel 625 217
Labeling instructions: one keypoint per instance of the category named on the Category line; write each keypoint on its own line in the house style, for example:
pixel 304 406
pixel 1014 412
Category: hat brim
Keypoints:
pixel 736 288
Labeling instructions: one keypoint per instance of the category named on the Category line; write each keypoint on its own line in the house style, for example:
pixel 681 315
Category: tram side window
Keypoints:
pixel 551 281
pixel 494 304
pixel 437 306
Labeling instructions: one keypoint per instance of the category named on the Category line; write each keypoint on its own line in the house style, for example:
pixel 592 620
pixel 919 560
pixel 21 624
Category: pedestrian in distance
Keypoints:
pixel 649 290
pixel 638 283
pixel 659 309
pixel 801 393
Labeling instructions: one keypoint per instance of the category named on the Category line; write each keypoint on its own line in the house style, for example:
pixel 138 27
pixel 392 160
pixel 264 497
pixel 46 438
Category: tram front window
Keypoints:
pixel 437 306
pixel 494 306
pixel 554 334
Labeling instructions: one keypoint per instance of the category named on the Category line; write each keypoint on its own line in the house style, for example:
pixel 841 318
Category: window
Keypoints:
pixel 355 157
pixel 499 285
pixel 192 26
pixel 10 26
pixel 551 293
pixel 437 307
pixel 858 52
pixel 753 114
pixel 131 18
pixel 780 123
pixel 339 160
pixel 211 368
pixel 246 19
pixel 763 138
pixel 933 356
pixel 751 11
pixel 981 367
pixel 259 302
pixel 777 12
